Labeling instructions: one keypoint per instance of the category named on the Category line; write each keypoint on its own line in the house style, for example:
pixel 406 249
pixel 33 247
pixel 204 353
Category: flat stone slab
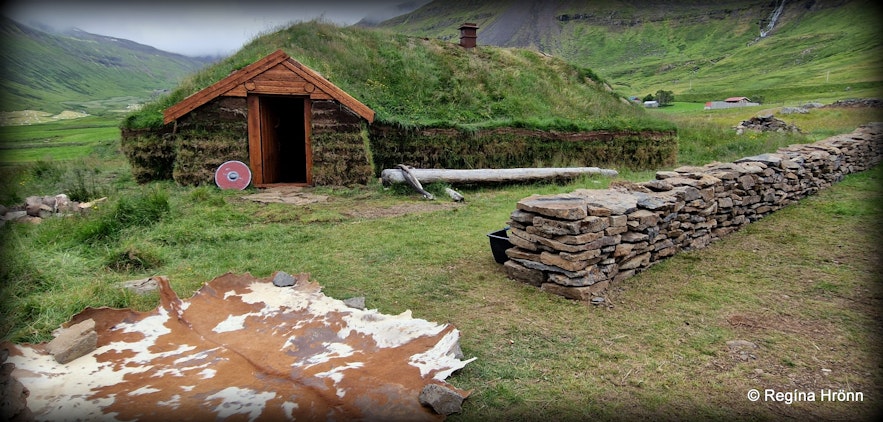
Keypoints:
pixel 768 158
pixel 73 342
pixel 565 207
pixel 286 195
pixel 617 202
pixel 141 286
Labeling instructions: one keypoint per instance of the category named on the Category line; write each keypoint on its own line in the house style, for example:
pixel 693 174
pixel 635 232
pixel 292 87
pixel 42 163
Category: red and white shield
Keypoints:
pixel 233 175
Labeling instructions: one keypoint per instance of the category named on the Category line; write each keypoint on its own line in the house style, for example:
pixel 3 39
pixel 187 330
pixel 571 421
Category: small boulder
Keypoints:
pixel 50 201
pixel 15 215
pixel 283 279
pixel 64 204
pixel 355 302
pixel 33 200
pixel 441 399
pixel 13 394
pixel 33 210
pixel 658 186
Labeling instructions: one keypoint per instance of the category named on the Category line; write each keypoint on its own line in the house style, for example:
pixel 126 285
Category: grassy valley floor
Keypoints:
pixel 789 304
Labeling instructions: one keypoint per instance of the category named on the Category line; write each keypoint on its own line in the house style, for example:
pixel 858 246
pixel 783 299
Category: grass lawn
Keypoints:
pixel 801 286
pixel 60 140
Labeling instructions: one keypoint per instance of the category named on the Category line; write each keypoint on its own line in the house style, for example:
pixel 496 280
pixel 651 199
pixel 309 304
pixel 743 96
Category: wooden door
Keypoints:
pixel 279 140
pixel 271 141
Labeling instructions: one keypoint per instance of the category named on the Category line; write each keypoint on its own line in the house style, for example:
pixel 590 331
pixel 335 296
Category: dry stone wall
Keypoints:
pixel 576 244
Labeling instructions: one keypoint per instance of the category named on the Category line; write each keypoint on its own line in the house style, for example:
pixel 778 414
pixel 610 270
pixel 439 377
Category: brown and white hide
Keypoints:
pixel 244 349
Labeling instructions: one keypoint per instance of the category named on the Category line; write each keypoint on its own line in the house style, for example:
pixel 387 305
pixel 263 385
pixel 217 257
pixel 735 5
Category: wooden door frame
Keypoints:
pixel 255 150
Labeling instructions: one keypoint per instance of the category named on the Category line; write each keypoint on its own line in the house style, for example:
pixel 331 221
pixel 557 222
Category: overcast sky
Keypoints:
pixel 193 27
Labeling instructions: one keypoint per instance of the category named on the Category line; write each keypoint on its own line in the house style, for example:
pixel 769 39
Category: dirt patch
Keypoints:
pixel 350 208
pixel 286 195
pixel 788 324
pixel 397 210
pixel 790 353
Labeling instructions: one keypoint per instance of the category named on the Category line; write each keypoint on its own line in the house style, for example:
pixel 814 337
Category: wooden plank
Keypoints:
pixel 390 176
pixel 280 84
pixel 255 156
pixel 269 87
pixel 237 91
pixel 280 73
pixel 289 79
pixel 308 115
pixel 291 87
pixel 270 160
pixel 215 90
pixel 278 67
pixel 320 95
pixel 278 91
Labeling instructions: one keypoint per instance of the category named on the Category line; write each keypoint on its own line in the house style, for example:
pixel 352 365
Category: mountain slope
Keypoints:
pixel 53 72
pixel 692 48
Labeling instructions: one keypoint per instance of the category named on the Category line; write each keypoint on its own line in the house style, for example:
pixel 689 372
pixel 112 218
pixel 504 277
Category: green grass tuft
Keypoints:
pixel 134 258
pixel 107 223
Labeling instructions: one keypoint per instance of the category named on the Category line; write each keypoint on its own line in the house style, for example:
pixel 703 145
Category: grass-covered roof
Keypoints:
pixel 413 81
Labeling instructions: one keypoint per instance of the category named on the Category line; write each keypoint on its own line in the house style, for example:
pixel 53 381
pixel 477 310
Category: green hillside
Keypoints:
pixel 414 81
pixel 55 72
pixel 699 50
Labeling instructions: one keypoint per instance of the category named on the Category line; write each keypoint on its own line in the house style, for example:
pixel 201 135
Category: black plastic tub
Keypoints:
pixel 499 243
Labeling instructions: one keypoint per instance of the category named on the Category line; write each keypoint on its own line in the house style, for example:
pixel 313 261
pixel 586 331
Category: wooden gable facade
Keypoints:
pixel 297 123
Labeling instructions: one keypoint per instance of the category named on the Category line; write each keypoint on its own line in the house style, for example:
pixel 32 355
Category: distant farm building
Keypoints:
pixel 651 104
pixel 288 123
pixel 731 102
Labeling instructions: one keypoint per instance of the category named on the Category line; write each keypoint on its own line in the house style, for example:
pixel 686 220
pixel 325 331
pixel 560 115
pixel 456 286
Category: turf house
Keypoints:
pixel 394 100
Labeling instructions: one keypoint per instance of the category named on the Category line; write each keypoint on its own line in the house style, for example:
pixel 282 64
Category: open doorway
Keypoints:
pixel 284 140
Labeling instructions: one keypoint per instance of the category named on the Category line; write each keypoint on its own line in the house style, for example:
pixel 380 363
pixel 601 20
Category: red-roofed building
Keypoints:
pixel 731 102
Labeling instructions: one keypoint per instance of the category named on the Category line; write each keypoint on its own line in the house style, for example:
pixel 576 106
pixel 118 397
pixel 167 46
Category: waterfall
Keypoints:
pixel 773 18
